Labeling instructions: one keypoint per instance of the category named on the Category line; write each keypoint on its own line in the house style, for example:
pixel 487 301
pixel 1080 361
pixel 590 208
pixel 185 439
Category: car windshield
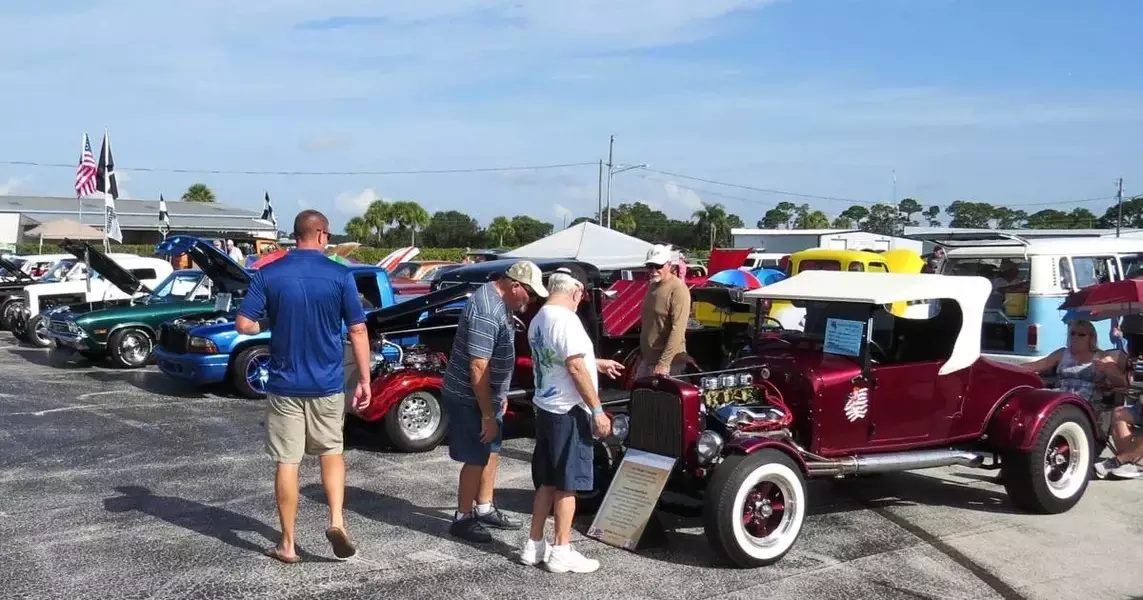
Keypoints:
pixel 1009 275
pixel 404 270
pixel 63 271
pixel 181 285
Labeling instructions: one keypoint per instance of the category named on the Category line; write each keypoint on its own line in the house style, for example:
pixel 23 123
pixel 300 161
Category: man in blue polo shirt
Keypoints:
pixel 304 298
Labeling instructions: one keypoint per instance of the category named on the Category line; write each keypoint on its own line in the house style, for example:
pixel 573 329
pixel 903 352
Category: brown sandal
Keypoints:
pixel 342 546
pixel 276 554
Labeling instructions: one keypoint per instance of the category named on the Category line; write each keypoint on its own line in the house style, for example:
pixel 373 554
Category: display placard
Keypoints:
pixel 631 499
pixel 222 302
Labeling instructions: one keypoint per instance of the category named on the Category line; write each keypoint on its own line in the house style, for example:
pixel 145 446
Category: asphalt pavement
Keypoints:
pixel 125 484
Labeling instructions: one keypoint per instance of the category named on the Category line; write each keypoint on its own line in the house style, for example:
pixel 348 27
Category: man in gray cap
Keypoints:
pixel 475 394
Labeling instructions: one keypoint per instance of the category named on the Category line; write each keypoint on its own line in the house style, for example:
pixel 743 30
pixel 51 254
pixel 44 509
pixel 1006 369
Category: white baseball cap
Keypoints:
pixel 527 274
pixel 658 255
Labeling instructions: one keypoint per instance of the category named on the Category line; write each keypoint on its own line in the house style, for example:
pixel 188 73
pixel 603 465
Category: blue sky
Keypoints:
pixel 1021 102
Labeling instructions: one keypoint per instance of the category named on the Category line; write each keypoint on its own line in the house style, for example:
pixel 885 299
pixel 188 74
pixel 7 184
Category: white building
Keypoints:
pixel 786 241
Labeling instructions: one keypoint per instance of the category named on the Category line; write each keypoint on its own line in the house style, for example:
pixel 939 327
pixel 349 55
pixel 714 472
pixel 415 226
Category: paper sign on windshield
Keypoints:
pixel 843 336
pixel 222 302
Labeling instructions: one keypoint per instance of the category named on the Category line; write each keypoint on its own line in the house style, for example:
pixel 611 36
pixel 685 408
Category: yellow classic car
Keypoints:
pixel 823 259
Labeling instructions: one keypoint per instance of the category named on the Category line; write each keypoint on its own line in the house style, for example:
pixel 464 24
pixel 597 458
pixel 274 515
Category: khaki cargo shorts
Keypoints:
pixel 298 426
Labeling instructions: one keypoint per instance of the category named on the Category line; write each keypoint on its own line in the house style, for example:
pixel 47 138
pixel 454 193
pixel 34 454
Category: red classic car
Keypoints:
pixel 857 391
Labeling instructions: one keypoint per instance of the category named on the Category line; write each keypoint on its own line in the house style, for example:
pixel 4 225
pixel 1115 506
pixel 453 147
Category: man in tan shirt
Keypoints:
pixel 666 311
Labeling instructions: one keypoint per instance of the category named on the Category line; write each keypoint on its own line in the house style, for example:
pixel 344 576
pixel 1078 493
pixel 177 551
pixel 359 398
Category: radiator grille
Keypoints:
pixel 656 423
pixel 60 326
pixel 172 339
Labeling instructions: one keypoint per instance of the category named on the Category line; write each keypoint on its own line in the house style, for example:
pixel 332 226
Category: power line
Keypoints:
pixel 26 163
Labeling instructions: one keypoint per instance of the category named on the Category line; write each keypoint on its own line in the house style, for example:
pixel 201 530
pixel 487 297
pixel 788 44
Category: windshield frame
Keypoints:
pixel 172 278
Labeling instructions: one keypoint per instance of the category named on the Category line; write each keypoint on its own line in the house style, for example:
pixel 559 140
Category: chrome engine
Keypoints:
pixel 388 357
pixel 199 320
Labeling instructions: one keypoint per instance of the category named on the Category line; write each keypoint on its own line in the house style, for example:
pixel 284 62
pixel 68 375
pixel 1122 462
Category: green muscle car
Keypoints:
pixel 125 330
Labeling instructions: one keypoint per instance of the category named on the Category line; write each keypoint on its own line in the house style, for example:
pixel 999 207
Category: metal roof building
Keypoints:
pixel 138 219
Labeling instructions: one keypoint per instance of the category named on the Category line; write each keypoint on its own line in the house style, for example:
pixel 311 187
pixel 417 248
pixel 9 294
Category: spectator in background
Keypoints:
pixel 475 394
pixel 666 312
pixel 936 260
pixel 304 298
pixel 234 252
pixel 568 412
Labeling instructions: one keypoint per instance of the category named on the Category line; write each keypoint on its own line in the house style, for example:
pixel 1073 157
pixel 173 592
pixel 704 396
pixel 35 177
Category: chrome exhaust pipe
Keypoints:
pixel 896 461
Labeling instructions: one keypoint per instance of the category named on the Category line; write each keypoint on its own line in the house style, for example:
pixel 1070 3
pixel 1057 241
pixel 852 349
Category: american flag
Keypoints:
pixel 164 218
pixel 106 183
pixel 85 175
pixel 268 212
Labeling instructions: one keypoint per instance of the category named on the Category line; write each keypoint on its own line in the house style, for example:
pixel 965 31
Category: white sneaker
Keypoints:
pixel 571 561
pixel 534 553
pixel 1127 471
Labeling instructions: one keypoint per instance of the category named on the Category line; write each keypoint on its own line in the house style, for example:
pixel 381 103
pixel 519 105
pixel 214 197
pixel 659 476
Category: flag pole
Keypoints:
pixel 106 190
pixel 82 148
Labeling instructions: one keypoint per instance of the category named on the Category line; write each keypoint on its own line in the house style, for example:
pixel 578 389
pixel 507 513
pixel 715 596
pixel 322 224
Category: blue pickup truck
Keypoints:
pixel 206 348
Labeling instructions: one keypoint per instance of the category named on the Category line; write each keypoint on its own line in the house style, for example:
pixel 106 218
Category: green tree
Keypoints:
pixel 1047 219
pixel 883 219
pixel 451 229
pixel 1082 218
pixel 856 214
pixel 198 192
pixel 713 224
pixel 1007 218
pixel 528 230
pixel 649 224
pixel 500 232
pixel 378 218
pixel 579 220
pixel 843 223
pixel 908 207
pixel 976 215
pixel 811 219
pixel 409 217
pixel 358 230
pixel 1132 215
pixel 932 216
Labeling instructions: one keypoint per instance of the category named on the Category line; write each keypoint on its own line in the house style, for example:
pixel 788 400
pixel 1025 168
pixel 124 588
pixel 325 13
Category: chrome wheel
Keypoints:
pixel 1066 460
pixel 770 507
pixel 419 415
pixel 134 347
pixel 258 372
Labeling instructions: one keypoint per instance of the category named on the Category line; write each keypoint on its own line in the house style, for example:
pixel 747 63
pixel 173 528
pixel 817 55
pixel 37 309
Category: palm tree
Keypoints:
pixel 358 229
pixel 198 192
pixel 713 223
pixel 409 215
pixel 500 228
pixel 377 217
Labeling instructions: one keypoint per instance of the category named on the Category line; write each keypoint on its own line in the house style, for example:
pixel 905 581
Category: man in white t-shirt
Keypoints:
pixel 568 413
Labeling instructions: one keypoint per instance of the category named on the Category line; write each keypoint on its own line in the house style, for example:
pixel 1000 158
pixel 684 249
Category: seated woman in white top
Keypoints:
pixel 1081 368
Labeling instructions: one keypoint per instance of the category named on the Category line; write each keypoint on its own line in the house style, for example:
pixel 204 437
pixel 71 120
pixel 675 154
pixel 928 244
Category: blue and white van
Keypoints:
pixel 1031 278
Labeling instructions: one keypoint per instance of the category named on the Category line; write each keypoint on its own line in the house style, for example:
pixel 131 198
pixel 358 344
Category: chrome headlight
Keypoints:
pixel 709 446
pixel 620 427
pixel 73 327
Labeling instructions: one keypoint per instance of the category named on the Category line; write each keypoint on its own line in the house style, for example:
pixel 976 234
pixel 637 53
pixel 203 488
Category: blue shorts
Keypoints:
pixel 564 455
pixel 464 445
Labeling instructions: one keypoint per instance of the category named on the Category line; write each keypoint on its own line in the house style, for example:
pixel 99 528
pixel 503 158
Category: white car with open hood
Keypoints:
pixel 112 277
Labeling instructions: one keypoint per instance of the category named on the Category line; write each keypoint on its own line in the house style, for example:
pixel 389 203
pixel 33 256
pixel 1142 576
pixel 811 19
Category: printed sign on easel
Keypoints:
pixel 631 499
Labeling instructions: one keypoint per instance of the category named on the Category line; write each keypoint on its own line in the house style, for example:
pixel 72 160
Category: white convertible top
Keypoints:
pixel 971 293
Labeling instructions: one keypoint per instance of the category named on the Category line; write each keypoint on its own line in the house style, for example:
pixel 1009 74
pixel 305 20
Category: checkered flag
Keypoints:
pixel 268 213
pixel 106 182
pixel 164 218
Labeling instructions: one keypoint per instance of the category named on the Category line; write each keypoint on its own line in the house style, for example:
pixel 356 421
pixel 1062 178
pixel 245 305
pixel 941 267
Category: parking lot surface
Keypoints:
pixel 125 484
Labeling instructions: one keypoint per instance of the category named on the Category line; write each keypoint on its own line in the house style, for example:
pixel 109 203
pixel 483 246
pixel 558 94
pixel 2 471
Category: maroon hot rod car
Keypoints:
pixel 857 391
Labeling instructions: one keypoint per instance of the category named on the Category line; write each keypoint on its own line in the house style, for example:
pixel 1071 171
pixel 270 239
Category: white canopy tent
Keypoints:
pixel 607 249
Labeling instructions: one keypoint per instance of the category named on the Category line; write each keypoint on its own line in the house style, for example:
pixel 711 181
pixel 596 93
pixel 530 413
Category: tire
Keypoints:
pixel 1052 477
pixel 768 476
pixel 130 348
pixel 248 371
pixel 8 312
pixel 20 327
pixel 417 422
pixel 603 471
pixel 36 332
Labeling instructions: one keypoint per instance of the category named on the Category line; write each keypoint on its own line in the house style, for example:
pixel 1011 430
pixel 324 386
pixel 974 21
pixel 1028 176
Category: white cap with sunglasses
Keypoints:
pixel 658 256
pixel 527 274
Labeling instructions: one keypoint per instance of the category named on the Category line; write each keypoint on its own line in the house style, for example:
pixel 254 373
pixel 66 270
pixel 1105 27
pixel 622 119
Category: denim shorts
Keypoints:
pixel 563 457
pixel 464 445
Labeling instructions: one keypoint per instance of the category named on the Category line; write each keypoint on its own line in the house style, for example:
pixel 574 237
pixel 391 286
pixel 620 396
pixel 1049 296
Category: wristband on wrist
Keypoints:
pixel 596 410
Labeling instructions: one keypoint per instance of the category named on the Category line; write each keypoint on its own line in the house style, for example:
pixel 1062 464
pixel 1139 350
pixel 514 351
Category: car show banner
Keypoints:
pixel 631 499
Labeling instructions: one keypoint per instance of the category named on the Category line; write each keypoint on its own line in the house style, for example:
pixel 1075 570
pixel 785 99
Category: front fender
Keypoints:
pixel 389 389
pixel 1018 418
pixel 751 445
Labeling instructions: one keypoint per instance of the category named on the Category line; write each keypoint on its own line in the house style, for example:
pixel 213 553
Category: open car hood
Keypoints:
pixel 227 275
pixel 720 297
pixel 405 315
pixel 106 267
pixel 9 269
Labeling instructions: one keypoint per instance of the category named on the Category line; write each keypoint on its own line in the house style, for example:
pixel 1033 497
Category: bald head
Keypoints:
pixel 308 227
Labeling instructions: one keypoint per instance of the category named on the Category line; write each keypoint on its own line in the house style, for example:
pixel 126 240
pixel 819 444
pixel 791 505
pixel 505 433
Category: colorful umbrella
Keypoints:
pixel 736 278
pixel 768 276
pixel 1105 300
pixel 267 259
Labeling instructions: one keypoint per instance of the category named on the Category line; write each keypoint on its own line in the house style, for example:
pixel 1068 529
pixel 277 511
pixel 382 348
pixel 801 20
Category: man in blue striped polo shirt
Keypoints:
pixel 476 394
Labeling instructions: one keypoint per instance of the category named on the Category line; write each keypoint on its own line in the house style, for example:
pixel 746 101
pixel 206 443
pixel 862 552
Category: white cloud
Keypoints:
pixel 355 203
pixel 563 212
pixel 680 196
pixel 12 185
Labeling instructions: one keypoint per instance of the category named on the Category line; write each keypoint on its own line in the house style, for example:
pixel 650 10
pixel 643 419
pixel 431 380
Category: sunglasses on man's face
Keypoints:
pixel 1079 334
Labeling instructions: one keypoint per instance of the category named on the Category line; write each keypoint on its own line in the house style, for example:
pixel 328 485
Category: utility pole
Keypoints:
pixel 1119 201
pixel 599 197
pixel 610 172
